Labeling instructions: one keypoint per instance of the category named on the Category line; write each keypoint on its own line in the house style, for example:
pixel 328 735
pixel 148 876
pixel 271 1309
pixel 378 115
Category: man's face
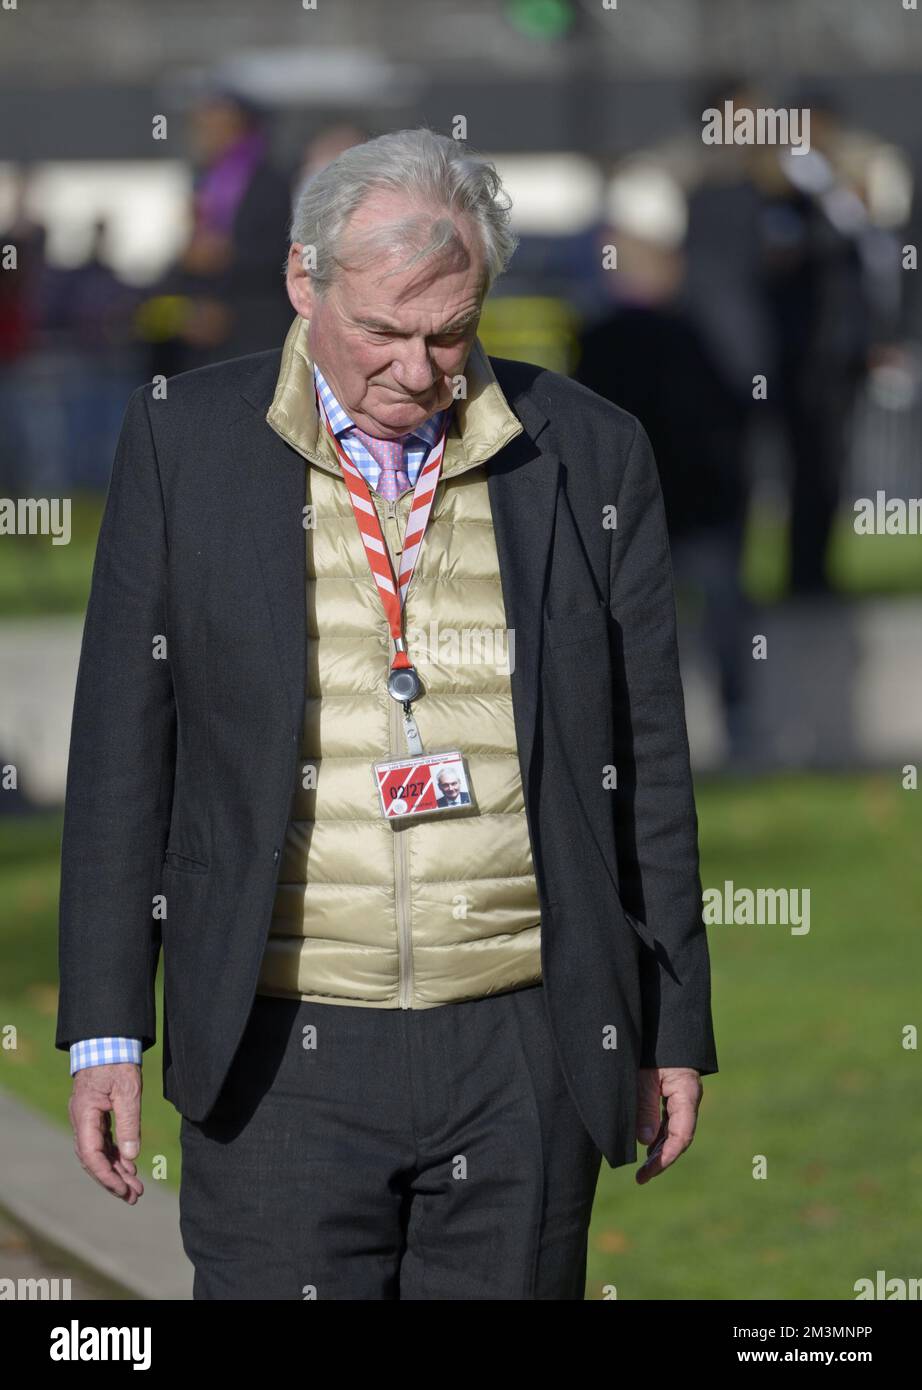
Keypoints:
pixel 451 787
pixel 389 348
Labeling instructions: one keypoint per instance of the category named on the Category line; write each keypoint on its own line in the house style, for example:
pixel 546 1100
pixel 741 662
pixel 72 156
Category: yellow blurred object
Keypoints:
pixel 534 328
pixel 162 317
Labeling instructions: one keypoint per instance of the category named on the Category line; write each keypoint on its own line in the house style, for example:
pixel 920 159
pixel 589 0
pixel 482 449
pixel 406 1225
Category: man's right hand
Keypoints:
pixel 116 1088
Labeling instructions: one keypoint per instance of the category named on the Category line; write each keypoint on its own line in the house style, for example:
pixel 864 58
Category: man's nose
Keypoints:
pixel 413 367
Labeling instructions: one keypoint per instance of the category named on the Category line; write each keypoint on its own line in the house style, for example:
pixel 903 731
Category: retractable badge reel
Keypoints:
pixel 422 782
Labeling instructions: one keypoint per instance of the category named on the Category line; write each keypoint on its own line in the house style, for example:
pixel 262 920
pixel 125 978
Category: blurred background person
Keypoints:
pixel 832 291
pixel 649 356
pixel 86 313
pixel 225 296
pixel 19 312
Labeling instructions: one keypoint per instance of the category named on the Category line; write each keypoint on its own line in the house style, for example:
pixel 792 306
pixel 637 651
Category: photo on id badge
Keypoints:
pixel 433 783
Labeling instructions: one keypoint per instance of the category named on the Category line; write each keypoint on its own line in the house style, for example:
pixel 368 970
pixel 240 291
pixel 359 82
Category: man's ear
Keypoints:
pixel 298 283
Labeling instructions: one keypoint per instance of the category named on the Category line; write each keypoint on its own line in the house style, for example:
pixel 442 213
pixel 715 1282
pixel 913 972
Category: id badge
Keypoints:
pixel 428 782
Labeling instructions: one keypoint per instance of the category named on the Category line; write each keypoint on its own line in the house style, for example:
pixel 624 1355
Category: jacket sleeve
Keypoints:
pixel 120 770
pixel 655 818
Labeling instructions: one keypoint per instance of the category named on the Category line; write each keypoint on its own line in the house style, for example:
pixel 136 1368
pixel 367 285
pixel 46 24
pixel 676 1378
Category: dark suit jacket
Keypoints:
pixel 182 769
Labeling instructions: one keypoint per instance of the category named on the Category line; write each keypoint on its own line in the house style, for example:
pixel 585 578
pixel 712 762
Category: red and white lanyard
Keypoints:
pixel 375 548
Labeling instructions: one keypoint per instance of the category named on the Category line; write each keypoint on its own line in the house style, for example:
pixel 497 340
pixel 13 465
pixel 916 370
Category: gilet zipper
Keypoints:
pixel 401 856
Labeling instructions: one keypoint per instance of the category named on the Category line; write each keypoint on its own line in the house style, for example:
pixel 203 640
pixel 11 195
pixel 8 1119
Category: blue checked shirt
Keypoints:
pixel 95 1052
pixel 416 451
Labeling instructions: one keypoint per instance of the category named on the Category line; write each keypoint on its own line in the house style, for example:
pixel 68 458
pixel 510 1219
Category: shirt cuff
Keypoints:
pixel 96 1052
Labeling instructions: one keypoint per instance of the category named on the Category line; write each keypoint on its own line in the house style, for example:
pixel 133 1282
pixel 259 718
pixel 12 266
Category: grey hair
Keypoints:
pixel 435 173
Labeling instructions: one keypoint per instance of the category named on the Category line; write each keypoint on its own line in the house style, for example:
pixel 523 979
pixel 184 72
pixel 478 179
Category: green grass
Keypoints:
pixel 859 566
pixel 813 1073
pixel 35 1070
pixel 809 1036
pixel 37 577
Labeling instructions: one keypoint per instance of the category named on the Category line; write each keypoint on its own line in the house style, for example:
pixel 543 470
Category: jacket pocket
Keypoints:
pixel 582 625
pixel 642 930
pixel 184 863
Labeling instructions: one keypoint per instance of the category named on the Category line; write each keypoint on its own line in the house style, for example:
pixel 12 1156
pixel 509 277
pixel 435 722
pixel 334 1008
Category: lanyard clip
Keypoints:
pixel 411 732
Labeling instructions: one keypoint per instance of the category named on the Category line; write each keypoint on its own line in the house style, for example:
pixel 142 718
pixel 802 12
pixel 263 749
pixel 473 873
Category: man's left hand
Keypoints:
pixel 666 1135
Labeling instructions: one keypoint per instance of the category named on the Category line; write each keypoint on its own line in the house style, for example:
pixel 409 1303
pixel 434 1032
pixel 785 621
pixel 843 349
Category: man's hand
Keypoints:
pixel 666 1135
pixel 114 1087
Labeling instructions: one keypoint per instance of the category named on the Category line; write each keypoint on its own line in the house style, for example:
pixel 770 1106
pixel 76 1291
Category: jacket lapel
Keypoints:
pixel 522 484
pixel 271 489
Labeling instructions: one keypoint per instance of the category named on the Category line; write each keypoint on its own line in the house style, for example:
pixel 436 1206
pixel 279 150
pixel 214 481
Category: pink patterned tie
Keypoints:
pixel 389 455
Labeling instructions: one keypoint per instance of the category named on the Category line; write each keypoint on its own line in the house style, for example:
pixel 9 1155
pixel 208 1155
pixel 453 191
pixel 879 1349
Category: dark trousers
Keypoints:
pixel 391 1154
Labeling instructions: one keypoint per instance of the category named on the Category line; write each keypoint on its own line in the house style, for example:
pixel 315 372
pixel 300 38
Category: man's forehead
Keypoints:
pixel 432 303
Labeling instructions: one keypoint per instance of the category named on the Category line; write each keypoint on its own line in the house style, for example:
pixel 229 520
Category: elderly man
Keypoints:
pixel 448 783
pixel 401 1034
